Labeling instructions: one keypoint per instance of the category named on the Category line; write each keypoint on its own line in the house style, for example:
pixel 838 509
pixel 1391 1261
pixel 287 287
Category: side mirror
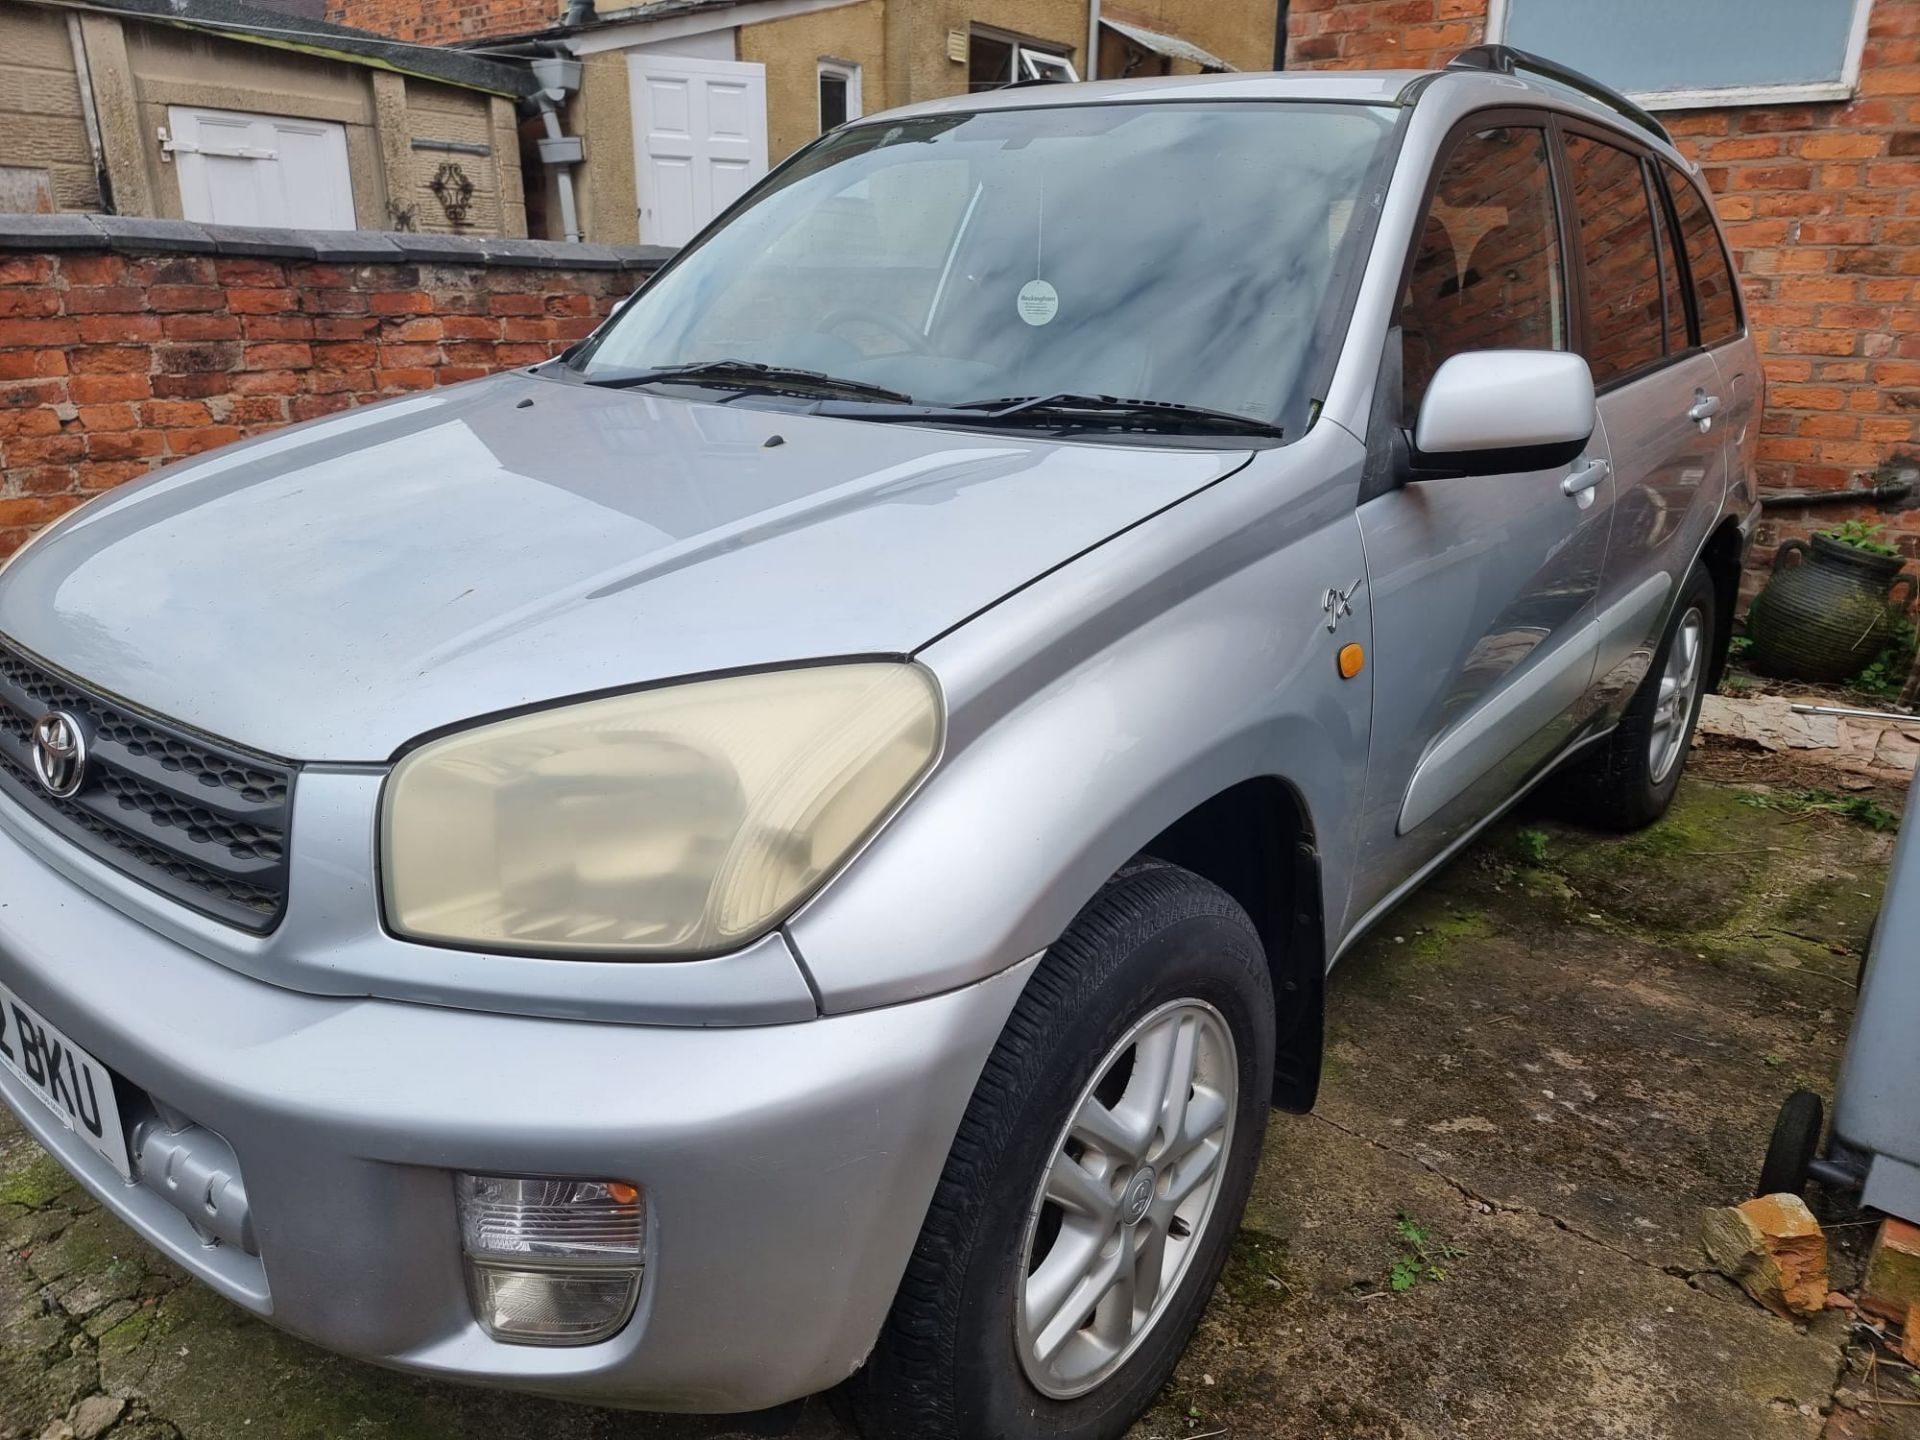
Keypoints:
pixel 1495 412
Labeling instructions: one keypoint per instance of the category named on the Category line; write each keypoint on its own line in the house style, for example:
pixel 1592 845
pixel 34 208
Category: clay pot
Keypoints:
pixel 1825 617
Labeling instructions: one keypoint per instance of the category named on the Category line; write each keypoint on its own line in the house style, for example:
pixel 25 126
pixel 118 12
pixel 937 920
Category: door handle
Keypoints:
pixel 1585 478
pixel 1705 407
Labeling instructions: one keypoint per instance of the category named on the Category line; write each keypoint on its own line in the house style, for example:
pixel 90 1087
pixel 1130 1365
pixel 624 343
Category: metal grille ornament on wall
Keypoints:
pixel 454 190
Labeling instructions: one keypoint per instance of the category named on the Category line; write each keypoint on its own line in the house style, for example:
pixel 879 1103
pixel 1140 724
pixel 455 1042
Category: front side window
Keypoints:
pixel 1186 253
pixel 1713 289
pixel 1619 258
pixel 1487 273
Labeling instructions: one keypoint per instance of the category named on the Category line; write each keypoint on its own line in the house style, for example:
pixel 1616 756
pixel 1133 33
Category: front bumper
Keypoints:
pixel 788 1167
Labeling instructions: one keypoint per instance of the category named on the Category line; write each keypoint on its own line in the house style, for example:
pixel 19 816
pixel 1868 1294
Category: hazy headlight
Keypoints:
pixel 681 821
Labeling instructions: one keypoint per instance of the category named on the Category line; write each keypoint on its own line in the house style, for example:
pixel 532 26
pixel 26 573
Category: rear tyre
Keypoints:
pixel 1631 781
pixel 1096 1182
pixel 1796 1135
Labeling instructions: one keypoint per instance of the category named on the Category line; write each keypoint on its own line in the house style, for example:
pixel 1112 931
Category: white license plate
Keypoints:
pixel 65 1078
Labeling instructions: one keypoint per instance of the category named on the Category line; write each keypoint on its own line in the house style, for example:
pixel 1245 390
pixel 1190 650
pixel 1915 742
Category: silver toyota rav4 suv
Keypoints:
pixel 801 839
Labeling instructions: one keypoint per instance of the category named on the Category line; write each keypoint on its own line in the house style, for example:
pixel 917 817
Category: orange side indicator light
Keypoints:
pixel 622 1193
pixel 1352 659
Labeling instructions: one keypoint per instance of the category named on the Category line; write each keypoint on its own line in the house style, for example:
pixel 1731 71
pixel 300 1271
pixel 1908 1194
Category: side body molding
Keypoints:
pixel 1548 688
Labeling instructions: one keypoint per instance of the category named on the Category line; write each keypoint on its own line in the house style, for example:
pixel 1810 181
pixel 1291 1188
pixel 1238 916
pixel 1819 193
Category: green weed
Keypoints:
pixel 1420 1255
pixel 1859 534
pixel 1870 813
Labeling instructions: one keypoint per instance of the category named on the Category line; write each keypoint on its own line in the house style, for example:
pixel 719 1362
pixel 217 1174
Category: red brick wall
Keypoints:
pixel 112 364
pixel 1822 205
pixel 1381 34
pixel 446 24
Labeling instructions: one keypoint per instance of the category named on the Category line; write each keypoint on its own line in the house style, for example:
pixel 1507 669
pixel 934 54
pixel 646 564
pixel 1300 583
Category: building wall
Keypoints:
pixel 41 116
pixel 446 23
pixel 183 67
pixel 1822 206
pixel 1381 34
pixel 606 186
pixel 139 70
pixel 918 67
pixel 467 117
pixel 113 362
pixel 792 50
pixel 1240 32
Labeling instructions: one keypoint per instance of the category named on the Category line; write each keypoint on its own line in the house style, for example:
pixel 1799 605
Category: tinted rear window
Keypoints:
pixel 1713 289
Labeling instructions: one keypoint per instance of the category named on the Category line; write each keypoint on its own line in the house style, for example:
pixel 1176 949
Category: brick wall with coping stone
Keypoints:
pixel 448 24
pixel 1822 207
pixel 125 343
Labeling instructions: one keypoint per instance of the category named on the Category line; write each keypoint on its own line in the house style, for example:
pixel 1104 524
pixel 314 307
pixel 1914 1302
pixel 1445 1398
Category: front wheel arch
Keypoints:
pixel 1255 840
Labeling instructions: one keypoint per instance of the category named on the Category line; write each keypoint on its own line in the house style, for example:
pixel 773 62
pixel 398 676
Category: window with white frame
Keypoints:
pixel 839 93
pixel 1671 55
pixel 996 58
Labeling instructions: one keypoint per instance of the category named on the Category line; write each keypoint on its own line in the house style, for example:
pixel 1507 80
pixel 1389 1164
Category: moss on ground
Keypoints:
pixel 32 1178
pixel 1256 1273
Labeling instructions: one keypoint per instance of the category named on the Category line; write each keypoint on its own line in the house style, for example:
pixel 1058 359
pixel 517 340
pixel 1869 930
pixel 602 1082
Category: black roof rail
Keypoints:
pixel 1505 60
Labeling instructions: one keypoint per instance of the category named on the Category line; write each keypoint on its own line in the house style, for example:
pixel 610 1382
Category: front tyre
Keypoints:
pixel 1631 781
pixel 1096 1182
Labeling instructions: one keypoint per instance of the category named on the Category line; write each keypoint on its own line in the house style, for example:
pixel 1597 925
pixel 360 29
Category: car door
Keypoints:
pixel 1482 587
pixel 1719 325
pixel 1660 397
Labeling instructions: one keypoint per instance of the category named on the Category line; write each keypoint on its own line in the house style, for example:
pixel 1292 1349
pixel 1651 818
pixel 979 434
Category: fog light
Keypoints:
pixel 551 1262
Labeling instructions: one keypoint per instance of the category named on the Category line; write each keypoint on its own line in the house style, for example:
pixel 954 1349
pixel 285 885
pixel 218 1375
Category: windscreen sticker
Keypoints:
pixel 1039 302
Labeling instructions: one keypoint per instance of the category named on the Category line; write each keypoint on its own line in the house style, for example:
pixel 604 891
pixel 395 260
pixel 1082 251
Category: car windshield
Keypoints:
pixel 1187 254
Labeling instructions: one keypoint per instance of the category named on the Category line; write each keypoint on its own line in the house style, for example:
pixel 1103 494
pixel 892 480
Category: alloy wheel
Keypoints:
pixel 1673 703
pixel 1129 1191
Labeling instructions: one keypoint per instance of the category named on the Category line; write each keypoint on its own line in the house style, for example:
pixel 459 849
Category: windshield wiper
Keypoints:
pixel 1147 414
pixel 1068 407
pixel 754 376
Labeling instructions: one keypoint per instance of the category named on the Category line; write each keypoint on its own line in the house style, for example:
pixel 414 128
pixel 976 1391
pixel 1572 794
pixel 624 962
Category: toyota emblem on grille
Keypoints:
pixel 59 753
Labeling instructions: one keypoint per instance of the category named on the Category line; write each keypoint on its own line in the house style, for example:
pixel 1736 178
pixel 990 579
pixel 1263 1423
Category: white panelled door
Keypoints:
pixel 699 140
pixel 238 169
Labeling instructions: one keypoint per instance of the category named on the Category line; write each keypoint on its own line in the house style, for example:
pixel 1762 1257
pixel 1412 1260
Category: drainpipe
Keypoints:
pixel 90 113
pixel 1093 40
pixel 1886 492
pixel 559 77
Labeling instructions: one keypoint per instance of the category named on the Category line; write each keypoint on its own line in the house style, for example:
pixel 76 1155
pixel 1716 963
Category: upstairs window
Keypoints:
pixel 996 59
pixel 1702 52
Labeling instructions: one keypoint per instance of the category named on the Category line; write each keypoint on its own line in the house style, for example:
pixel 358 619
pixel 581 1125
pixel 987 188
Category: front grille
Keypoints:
pixel 198 820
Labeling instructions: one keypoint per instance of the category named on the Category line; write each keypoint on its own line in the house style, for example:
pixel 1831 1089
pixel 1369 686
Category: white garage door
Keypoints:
pixel 238 169
pixel 699 140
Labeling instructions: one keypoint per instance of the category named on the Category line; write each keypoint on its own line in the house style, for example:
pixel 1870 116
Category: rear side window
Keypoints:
pixel 1673 290
pixel 1619 257
pixel 1487 272
pixel 1713 290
